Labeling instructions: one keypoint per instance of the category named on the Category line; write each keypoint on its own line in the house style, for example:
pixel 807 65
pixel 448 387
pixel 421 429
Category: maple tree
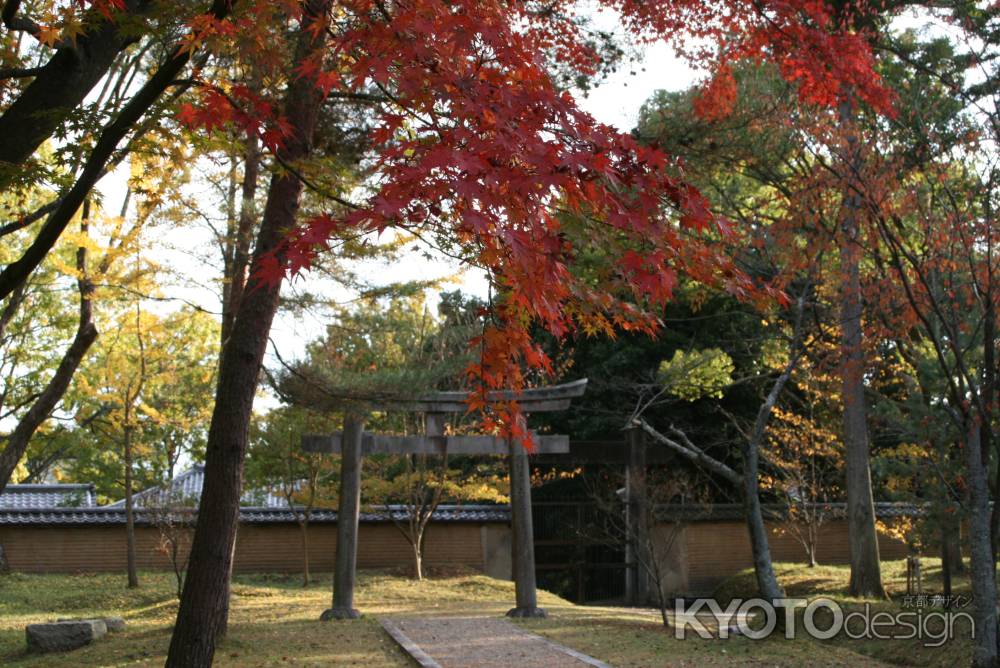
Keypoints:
pixel 466 93
pixel 755 162
pixel 931 236
pixel 803 454
pixel 475 145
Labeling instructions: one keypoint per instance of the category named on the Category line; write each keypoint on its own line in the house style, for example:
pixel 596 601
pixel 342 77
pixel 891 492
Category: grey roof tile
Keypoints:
pixel 105 515
pixel 185 488
pixel 57 495
pixel 259 507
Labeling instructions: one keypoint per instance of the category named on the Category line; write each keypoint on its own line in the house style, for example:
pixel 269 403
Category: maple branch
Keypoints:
pixel 447 253
pixel 357 97
pixel 156 298
pixel 287 166
pixel 319 190
pixel 24 221
pixel 55 389
pixel 10 308
pixel 896 251
pixel 112 163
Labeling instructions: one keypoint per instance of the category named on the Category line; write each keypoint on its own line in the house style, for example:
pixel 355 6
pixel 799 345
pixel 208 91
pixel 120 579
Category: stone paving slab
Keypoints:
pixel 480 642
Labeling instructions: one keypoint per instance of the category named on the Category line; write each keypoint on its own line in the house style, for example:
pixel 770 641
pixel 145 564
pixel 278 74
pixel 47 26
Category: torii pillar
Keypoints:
pixel 348 515
pixel 353 443
pixel 637 553
pixel 522 535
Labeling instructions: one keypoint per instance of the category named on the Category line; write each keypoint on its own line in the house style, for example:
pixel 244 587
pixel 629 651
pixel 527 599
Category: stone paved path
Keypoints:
pixel 480 642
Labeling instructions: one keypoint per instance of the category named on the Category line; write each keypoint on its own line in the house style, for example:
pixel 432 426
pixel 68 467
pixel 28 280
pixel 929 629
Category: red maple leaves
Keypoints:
pixel 821 46
pixel 475 143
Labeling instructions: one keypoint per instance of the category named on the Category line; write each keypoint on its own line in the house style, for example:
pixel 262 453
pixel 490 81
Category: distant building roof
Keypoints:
pixel 185 489
pixel 52 505
pixel 56 495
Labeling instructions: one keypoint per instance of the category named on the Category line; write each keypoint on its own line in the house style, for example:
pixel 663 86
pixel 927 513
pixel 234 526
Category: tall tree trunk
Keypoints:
pixel 983 580
pixel 946 567
pixel 767 581
pixel 986 424
pixel 133 575
pixel 131 401
pixel 953 544
pixel 242 238
pixel 866 574
pixel 86 334
pixel 202 616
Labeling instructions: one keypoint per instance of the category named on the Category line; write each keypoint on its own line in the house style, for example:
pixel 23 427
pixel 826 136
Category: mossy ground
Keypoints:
pixel 274 621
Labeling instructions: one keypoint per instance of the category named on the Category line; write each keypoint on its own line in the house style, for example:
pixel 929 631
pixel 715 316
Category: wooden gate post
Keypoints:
pixel 637 541
pixel 523 535
pixel 347 521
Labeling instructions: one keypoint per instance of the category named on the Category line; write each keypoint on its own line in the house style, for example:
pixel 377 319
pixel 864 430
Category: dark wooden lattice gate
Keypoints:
pixel 577 552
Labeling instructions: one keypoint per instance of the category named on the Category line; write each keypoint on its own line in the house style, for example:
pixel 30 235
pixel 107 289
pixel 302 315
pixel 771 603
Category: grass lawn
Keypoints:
pixel 274 621
pixel 831 582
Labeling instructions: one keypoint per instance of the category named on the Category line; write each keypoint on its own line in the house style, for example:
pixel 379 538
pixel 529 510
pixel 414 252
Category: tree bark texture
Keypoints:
pixel 238 246
pixel 866 574
pixel 983 578
pixel 203 612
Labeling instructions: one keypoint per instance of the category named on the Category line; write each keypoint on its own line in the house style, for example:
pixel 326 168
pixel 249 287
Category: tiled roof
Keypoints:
pixel 47 496
pixel 104 515
pixel 185 488
pixel 774 511
pixel 259 506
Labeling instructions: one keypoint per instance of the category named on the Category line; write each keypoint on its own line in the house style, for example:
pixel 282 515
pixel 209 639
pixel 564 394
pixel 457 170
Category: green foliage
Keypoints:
pixel 152 377
pixel 416 479
pixel 277 462
pixel 385 348
pixel 697 374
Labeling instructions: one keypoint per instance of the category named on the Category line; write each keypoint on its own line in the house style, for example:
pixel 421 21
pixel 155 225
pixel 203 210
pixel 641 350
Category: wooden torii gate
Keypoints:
pixel 353 443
